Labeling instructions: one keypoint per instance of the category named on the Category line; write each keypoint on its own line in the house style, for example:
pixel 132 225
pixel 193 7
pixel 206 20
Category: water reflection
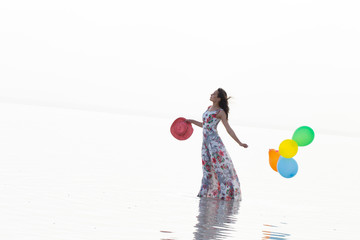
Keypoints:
pixel 166 238
pixel 274 235
pixel 215 218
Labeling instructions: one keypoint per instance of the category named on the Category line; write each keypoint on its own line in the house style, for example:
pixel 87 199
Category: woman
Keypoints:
pixel 219 176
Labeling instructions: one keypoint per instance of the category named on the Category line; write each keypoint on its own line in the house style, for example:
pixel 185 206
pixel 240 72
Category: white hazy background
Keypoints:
pixel 286 63
pixel 89 89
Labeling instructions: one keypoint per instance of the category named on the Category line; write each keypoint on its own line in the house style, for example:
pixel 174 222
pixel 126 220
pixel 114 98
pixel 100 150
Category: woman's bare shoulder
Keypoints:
pixel 220 113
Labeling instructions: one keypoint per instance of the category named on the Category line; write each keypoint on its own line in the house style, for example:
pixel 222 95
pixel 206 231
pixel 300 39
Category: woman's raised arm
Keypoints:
pixel 199 124
pixel 231 132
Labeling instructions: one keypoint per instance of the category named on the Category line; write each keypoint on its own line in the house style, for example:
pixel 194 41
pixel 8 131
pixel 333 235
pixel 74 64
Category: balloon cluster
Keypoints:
pixel 282 160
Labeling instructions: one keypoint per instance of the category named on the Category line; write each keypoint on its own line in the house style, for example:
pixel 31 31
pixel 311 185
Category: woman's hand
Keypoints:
pixel 244 145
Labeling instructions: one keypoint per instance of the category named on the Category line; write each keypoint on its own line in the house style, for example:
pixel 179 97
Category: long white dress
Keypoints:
pixel 219 176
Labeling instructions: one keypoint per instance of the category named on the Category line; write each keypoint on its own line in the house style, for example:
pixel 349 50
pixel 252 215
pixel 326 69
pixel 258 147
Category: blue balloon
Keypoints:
pixel 287 167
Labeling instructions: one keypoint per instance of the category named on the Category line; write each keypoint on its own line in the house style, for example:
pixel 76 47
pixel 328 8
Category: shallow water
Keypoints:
pixel 71 174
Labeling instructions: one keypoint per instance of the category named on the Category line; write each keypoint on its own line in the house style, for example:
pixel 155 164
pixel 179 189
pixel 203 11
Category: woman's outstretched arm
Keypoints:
pixel 231 132
pixel 199 124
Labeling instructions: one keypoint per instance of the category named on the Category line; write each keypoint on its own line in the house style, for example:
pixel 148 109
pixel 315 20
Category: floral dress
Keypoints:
pixel 219 176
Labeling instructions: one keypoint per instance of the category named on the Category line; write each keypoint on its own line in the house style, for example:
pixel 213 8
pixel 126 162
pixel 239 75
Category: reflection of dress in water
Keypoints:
pixel 219 176
pixel 215 218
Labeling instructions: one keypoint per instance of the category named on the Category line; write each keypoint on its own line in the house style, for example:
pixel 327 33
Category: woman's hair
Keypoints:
pixel 224 101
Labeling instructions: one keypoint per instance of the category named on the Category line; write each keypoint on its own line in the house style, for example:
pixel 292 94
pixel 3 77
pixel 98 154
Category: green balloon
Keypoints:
pixel 303 136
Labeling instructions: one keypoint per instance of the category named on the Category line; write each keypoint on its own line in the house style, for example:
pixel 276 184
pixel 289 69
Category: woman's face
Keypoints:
pixel 214 96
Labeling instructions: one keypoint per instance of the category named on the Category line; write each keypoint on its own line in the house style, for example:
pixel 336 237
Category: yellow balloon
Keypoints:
pixel 288 148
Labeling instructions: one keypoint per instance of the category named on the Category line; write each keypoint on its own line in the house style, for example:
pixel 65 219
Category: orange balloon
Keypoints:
pixel 274 156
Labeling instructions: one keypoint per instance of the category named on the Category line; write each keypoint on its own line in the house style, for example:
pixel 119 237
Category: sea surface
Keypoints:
pixel 79 174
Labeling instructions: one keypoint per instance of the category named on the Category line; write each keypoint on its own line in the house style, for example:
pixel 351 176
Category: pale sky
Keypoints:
pixel 285 63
